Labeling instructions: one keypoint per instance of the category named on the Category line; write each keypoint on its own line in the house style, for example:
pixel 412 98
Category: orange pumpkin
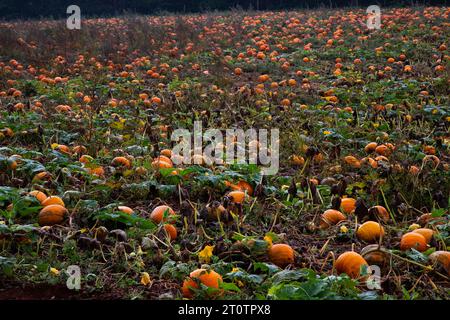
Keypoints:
pixel 281 255
pixel 370 147
pixel 38 195
pixel 86 159
pixel 383 150
pixel 379 212
pixel 167 153
pixel 348 205
pixel 352 161
pixel 121 162
pixel 245 186
pixel 125 209
pixel 370 231
pixel 237 196
pixel 413 240
pixel 51 215
pixel 442 258
pixel 158 213
pixel 350 263
pixel 171 231
pixel 162 162
pixel 209 278
pixel 331 217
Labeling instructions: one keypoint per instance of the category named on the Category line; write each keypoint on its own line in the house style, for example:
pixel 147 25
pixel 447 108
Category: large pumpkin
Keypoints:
pixel 281 255
pixel 350 263
pixel 331 217
pixel 413 240
pixel 51 215
pixel 370 231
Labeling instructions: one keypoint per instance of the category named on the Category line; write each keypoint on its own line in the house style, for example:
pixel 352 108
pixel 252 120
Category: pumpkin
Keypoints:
pixel 281 255
pixel 370 147
pixel 370 231
pixel 167 153
pixel 237 196
pixel 209 278
pixel 97 171
pixel 245 186
pixel 52 214
pixel 350 263
pixel 442 258
pixel 352 161
pixel 413 240
pixel 162 162
pixel 331 217
pixel 125 209
pixel 158 213
pixel 379 212
pixel 374 254
pixel 53 200
pixel 121 162
pixel 427 233
pixel 383 150
pixel 348 205
pixel 298 160
pixel 38 195
pixel 171 231
pixel 86 159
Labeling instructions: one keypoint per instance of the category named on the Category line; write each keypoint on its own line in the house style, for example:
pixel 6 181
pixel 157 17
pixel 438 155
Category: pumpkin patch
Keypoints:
pixel 116 139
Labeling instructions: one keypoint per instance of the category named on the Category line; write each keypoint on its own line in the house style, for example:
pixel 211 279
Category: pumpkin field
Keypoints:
pixel 95 204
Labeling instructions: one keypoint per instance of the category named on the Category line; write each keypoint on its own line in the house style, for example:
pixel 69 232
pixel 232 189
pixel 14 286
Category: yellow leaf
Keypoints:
pixel 54 271
pixel 145 279
pixel 269 240
pixel 206 254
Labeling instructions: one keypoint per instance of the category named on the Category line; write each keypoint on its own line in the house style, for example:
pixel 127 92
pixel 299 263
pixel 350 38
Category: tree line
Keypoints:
pixel 13 9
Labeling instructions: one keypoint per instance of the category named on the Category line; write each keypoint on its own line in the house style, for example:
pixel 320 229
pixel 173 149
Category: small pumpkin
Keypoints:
pixel 331 217
pixel 352 161
pixel 171 231
pixel 379 212
pixel 162 162
pixel 442 258
pixel 237 196
pixel 370 231
pixel 209 278
pixel 370 147
pixel 51 215
pixel 39 195
pixel 348 205
pixel 158 213
pixel 167 153
pixel 413 240
pixel 350 263
pixel 281 255
pixel 121 162
pixel 125 209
